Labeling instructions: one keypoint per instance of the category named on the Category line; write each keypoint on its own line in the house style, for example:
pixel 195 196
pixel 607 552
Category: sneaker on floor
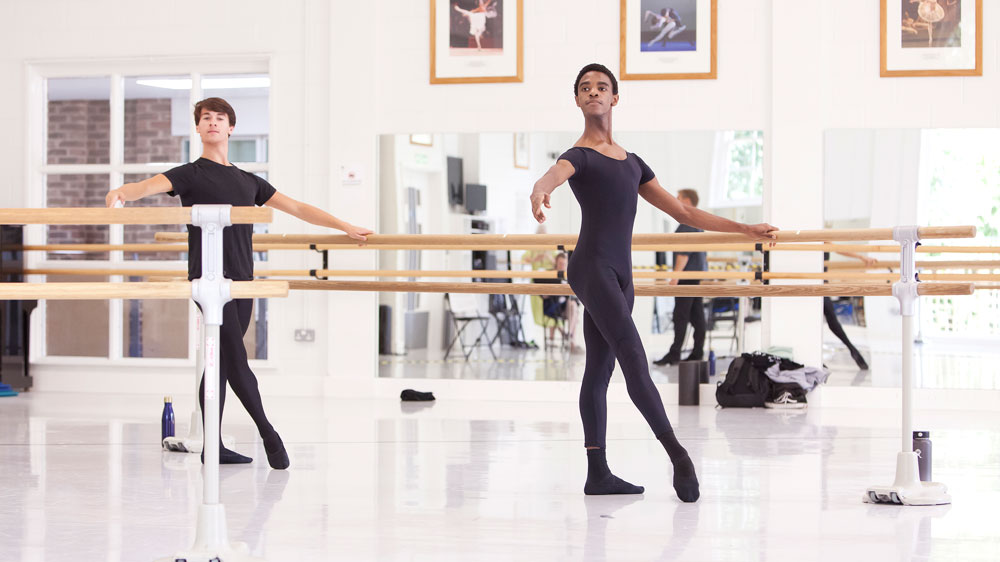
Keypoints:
pixel 785 401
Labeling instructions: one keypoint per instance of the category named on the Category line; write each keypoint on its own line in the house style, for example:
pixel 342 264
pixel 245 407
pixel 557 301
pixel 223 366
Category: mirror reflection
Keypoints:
pixel 479 183
pixel 888 177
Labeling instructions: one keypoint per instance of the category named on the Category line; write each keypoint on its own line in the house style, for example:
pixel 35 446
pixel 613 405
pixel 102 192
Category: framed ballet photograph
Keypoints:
pixel 932 38
pixel 668 39
pixel 476 41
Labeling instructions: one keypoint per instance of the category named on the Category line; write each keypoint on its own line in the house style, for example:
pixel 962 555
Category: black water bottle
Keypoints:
pixel 167 419
pixel 922 446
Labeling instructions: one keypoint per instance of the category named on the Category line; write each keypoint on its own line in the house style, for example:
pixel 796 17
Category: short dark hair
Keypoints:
pixel 599 68
pixel 690 194
pixel 218 105
pixel 562 255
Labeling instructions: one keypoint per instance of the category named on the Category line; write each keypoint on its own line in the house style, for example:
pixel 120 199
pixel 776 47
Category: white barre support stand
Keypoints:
pixel 211 291
pixel 907 489
pixel 193 442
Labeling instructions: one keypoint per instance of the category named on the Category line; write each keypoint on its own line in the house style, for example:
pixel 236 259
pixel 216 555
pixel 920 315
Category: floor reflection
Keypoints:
pixel 498 480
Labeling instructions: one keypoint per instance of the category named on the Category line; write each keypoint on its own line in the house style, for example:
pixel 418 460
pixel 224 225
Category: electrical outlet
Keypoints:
pixel 302 334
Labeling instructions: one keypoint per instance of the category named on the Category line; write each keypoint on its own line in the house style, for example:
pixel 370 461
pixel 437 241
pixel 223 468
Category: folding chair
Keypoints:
pixel 464 311
pixel 547 323
pixel 725 309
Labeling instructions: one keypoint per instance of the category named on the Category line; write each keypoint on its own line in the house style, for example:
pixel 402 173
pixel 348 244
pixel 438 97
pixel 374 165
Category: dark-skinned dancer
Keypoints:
pixel 607 181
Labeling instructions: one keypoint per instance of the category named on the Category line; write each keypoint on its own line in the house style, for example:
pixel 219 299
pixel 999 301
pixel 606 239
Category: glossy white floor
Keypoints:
pixel 82 478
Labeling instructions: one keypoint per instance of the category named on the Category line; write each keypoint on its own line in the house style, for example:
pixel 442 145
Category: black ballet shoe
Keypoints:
pixel 610 484
pixel 667 360
pixel 685 480
pixel 229 457
pixel 862 364
pixel 277 457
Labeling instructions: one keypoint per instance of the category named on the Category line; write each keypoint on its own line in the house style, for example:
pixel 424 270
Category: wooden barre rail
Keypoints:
pixel 503 274
pixel 154 247
pixel 100 248
pixel 127 215
pixel 516 240
pixel 165 237
pixel 169 238
pixel 929 264
pixel 158 290
pixel 831 290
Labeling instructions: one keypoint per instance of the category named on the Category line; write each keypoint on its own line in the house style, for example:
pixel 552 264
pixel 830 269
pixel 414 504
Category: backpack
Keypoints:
pixel 745 386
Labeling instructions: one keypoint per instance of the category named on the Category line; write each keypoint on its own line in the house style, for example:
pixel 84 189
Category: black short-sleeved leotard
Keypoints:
pixel 608 191
pixel 600 273
pixel 204 182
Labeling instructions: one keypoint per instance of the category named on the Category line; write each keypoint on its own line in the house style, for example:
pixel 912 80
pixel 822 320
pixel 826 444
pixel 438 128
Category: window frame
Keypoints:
pixel 723 169
pixel 38 169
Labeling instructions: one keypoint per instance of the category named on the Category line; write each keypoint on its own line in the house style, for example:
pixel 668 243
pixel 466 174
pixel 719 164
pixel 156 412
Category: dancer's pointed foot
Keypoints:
pixel 685 480
pixel 227 456
pixel 862 364
pixel 277 457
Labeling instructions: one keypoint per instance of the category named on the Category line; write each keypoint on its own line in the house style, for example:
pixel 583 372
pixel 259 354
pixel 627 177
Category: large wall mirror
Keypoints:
pixel 890 177
pixel 480 183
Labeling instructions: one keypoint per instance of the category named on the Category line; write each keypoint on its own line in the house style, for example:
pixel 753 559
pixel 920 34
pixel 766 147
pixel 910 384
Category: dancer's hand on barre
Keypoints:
pixel 537 200
pixel 358 233
pixel 762 231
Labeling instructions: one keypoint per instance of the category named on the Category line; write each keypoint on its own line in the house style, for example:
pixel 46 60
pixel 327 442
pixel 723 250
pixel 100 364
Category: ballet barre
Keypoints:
pixel 929 264
pixel 517 241
pixel 645 290
pixel 211 292
pixel 140 290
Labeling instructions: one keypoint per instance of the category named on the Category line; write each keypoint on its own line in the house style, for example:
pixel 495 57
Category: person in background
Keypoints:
pixel 562 307
pixel 687 310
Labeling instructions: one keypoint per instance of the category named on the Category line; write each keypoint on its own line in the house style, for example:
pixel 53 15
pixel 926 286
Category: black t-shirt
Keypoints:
pixel 697 261
pixel 204 182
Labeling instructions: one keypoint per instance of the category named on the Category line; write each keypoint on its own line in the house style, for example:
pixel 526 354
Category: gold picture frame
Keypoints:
pixel 482 63
pixel 698 61
pixel 902 52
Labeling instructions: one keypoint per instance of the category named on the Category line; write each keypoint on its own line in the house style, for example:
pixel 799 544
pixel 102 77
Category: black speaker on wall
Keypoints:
pixel 455 181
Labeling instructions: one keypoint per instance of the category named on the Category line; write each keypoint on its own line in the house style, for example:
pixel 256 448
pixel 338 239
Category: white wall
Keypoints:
pixel 346 71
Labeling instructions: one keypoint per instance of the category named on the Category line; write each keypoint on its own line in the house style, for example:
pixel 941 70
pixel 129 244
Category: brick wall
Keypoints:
pixel 79 134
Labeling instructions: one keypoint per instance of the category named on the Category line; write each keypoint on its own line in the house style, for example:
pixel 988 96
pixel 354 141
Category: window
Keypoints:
pixel 738 169
pixel 109 129
pixel 959 183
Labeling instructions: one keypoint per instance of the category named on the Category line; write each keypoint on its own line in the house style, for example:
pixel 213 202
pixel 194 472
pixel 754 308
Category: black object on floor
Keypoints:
pixel 410 395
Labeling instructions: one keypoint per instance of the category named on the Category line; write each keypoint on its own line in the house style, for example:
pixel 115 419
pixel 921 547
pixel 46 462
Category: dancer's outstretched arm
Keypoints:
pixel 135 191
pixel 556 176
pixel 653 192
pixel 314 215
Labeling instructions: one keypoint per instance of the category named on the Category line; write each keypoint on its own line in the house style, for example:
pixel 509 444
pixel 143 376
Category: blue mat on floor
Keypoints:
pixel 6 390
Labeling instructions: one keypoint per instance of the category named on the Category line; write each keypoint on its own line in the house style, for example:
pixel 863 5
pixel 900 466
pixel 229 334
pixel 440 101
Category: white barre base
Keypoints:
pixel 908 489
pixel 194 440
pixel 211 542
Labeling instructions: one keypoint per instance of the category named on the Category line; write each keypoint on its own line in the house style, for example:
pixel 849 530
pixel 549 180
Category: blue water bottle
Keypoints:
pixel 167 419
pixel 711 363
